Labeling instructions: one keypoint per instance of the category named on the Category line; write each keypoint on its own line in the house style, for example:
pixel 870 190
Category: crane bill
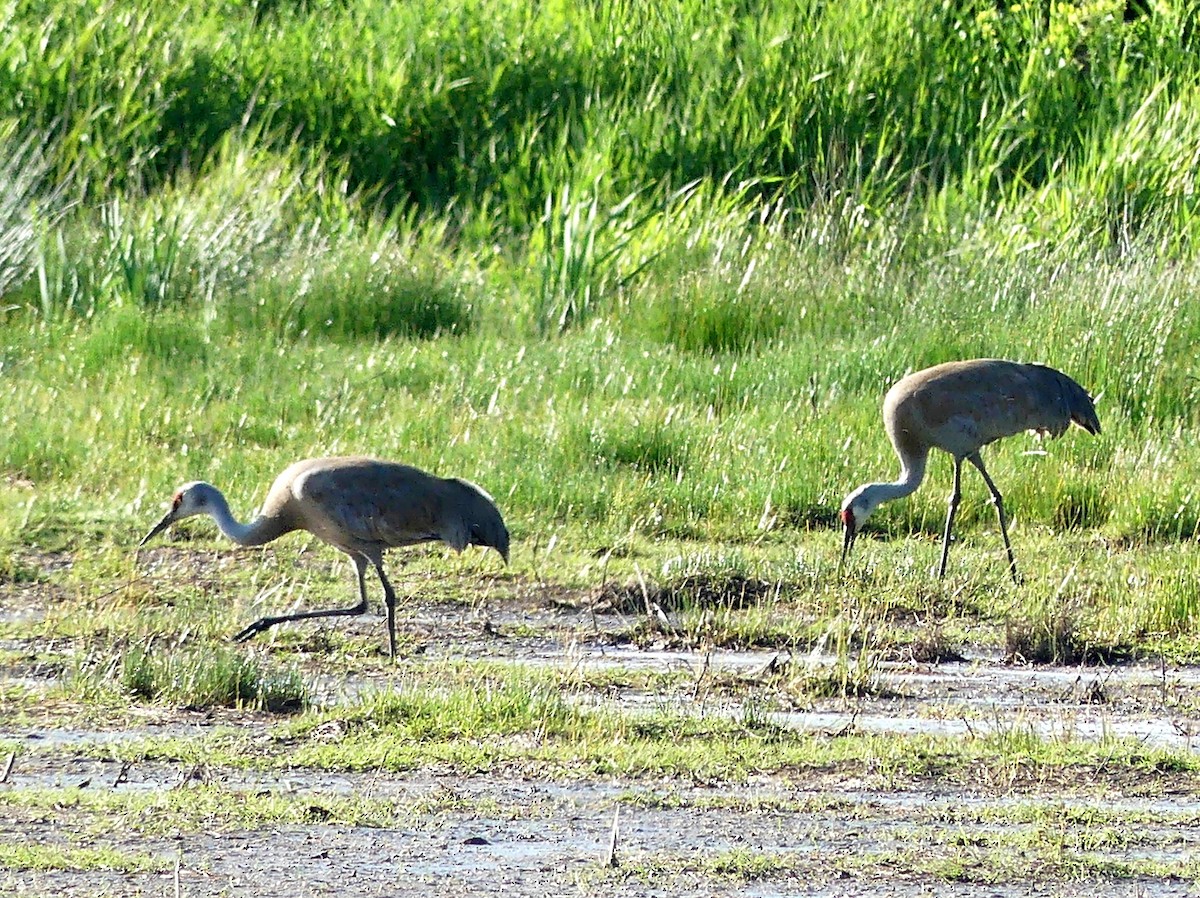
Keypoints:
pixel 158 528
pixel 847 544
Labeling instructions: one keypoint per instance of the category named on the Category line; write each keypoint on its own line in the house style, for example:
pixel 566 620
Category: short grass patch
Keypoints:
pixel 204 807
pixel 1001 861
pixel 42 857
pixel 496 718
pixel 193 679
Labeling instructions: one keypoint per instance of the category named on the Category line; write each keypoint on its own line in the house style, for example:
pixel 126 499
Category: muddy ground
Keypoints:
pixel 821 832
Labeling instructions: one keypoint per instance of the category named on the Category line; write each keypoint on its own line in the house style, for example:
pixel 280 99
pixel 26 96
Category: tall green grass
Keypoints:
pixel 642 272
pixel 518 109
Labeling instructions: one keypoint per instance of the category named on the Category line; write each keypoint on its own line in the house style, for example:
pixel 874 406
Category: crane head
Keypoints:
pixel 190 499
pixel 849 532
pixel 479 520
pixel 495 536
pixel 855 511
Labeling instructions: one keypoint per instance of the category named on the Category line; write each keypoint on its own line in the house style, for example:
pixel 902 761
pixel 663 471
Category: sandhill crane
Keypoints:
pixel 359 505
pixel 960 407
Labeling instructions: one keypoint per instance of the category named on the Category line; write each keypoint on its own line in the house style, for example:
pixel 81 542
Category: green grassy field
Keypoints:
pixel 642 271
pixel 646 284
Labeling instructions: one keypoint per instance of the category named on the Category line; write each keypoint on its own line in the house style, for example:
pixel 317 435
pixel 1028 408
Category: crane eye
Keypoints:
pixel 177 501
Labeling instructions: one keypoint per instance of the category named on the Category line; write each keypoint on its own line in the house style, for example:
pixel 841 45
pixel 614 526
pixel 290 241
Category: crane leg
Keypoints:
pixel 955 498
pixel 265 623
pixel 977 461
pixel 389 597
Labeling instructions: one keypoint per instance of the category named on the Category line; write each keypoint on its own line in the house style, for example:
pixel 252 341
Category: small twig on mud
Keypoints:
pixel 610 859
pixel 178 863
pixel 700 677
pixel 603 580
pixel 537 567
pixel 1162 668
pixel 8 766
pixel 123 776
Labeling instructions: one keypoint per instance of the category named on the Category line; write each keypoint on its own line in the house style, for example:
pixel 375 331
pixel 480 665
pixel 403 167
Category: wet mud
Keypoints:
pixel 820 833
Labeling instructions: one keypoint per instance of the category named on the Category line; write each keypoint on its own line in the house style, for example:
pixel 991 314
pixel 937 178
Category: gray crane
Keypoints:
pixel 360 505
pixel 960 407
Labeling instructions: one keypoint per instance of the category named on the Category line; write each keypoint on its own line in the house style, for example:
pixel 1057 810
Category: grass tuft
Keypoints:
pixel 702 316
pixel 220 678
pixel 1056 634
pixel 356 294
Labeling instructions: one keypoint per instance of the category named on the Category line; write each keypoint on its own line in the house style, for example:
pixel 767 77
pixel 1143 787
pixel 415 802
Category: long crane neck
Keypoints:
pixel 260 530
pixel 871 495
pixel 912 472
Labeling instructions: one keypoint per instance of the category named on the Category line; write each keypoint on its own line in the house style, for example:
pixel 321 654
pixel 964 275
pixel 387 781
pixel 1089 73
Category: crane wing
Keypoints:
pixel 371 505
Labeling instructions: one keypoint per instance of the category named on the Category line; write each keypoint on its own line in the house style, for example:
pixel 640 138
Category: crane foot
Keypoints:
pixel 263 623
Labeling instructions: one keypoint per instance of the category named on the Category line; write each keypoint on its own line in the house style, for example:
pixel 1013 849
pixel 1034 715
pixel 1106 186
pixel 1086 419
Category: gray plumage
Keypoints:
pixel 362 506
pixel 960 407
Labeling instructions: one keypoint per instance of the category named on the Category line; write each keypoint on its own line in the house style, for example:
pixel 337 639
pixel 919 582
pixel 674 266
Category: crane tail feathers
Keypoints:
pixel 1083 410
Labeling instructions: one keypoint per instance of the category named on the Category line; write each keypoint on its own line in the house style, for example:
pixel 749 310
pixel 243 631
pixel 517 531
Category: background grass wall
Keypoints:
pixel 639 268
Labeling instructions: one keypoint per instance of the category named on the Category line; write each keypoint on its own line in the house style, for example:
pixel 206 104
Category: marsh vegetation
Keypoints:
pixel 644 272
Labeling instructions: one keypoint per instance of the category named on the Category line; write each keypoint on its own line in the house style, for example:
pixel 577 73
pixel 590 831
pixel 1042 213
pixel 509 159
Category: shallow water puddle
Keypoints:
pixel 966 698
pixel 550 838
pixel 479 835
